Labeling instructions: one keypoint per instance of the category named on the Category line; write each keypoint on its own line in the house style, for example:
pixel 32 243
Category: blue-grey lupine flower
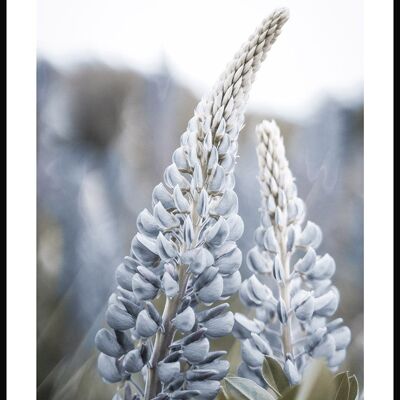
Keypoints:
pixel 185 250
pixel 291 288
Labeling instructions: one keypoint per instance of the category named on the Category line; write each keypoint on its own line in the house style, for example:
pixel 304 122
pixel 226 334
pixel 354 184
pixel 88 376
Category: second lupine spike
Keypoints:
pixel 291 288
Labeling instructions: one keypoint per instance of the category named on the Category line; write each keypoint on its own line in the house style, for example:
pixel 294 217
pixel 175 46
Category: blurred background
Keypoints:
pixel 117 82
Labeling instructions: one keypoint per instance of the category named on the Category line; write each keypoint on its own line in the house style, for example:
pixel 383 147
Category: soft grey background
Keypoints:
pixel 107 126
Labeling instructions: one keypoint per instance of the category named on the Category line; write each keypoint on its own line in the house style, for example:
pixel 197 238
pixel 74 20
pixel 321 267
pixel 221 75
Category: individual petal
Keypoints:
pixel 257 263
pixel 124 276
pixel 282 311
pixel 337 358
pixel 208 389
pixel 162 195
pixel 303 305
pixel 236 227
pixel 311 236
pixel 164 218
pixel 326 348
pixel 231 284
pixel 291 372
pixel 277 269
pixel 228 204
pixel 221 368
pixel 253 374
pixel 212 291
pixel 170 285
pixel 107 367
pixel 306 263
pixel 219 326
pixel 147 224
pixel 144 249
pixel 218 233
pixel 173 177
pixel 196 352
pixel 324 268
pixel 188 231
pixel 326 305
pixel 229 262
pixel 197 259
pixel 202 204
pixel 262 344
pixel 167 249
pixel 119 318
pixel 251 355
pixel 217 181
pixel 180 159
pixel 181 202
pixel 244 327
pixel 342 336
pixel 270 241
pixel 108 344
pixel 169 368
pixel 145 325
pixel 143 289
pixel 133 361
pixel 185 320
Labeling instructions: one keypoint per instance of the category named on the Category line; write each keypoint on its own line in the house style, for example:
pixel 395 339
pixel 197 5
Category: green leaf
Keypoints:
pixel 342 385
pixel 274 375
pixel 291 393
pixel 354 388
pixel 244 389
pixel 317 383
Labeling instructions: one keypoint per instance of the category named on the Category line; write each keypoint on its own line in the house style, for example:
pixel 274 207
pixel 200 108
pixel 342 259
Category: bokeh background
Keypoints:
pixel 117 82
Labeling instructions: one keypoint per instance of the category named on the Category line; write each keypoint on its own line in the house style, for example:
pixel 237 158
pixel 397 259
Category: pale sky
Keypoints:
pixel 319 53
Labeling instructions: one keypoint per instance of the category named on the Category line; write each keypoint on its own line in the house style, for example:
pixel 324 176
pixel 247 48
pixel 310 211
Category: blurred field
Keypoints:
pixel 104 138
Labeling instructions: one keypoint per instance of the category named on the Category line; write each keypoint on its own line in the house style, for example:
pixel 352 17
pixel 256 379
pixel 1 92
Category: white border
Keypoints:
pixel 21 199
pixel 378 195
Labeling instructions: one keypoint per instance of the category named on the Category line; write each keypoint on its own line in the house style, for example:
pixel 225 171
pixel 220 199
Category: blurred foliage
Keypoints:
pixel 105 136
pixel 318 384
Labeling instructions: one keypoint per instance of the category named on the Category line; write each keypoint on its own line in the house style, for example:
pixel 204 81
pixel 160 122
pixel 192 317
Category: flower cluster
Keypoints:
pixel 185 254
pixel 290 289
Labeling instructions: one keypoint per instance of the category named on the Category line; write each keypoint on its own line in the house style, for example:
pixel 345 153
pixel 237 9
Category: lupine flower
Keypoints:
pixel 185 251
pixel 290 289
